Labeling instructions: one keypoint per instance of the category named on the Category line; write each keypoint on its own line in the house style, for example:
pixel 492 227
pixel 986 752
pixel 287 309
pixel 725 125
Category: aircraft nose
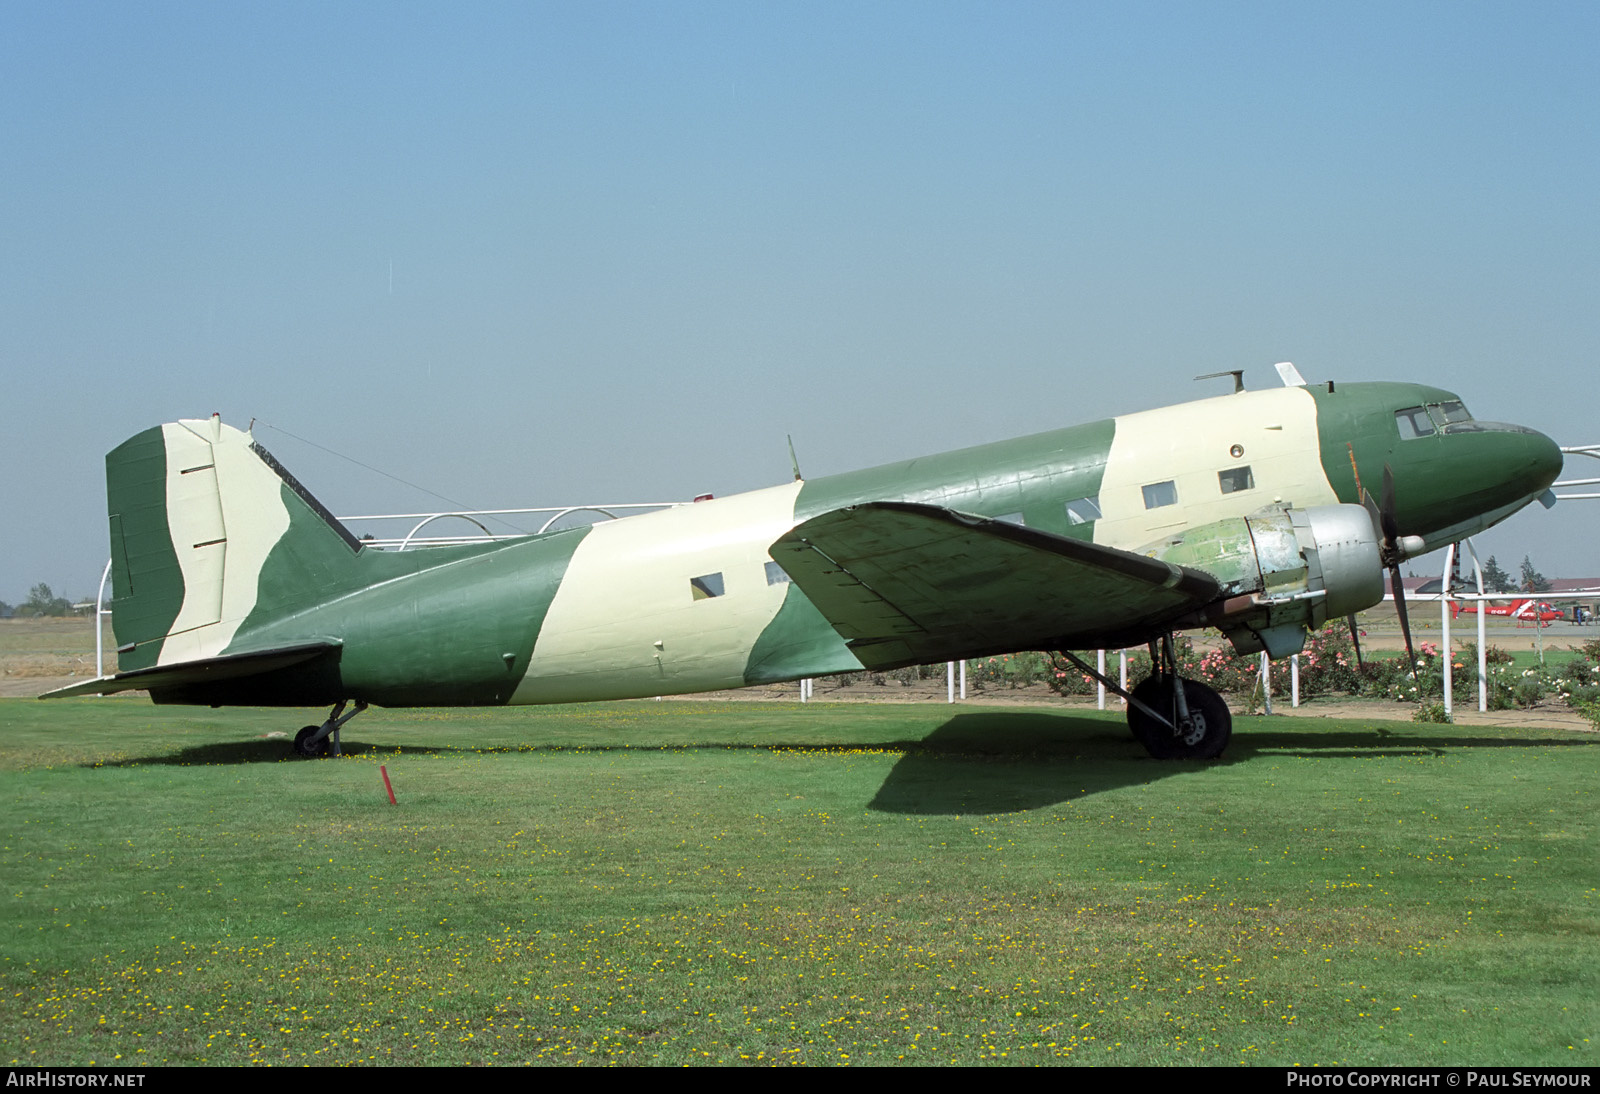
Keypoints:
pixel 1539 458
pixel 1492 466
pixel 1527 461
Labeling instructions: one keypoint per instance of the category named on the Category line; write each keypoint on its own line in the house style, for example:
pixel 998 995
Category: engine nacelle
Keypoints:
pixel 1283 571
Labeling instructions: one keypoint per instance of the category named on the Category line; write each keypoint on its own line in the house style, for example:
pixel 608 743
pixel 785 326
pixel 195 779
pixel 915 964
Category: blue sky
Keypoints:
pixel 540 254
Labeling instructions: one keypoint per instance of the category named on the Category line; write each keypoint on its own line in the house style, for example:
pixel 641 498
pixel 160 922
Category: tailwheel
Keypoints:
pixel 306 743
pixel 320 740
pixel 1202 719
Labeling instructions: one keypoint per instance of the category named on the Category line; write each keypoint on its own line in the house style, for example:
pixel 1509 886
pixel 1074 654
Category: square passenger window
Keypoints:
pixel 1158 494
pixel 1413 422
pixel 1083 510
pixel 1235 479
pixel 706 587
pixel 776 575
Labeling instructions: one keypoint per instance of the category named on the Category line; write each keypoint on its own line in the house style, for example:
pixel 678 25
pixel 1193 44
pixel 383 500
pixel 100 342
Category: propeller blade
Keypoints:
pixel 1391 527
pixel 1371 507
pixel 1355 640
pixel 1399 591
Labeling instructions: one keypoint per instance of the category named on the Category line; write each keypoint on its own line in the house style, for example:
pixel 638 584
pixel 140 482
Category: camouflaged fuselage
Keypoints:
pixel 219 556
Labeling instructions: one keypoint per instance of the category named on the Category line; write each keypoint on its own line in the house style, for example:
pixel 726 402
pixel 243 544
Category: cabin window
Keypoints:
pixel 1234 479
pixel 1413 422
pixel 1158 494
pixel 706 586
pixel 1083 510
pixel 776 575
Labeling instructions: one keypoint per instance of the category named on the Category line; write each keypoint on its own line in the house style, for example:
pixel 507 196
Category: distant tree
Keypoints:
pixel 1496 580
pixel 5 610
pixel 41 601
pixel 1532 580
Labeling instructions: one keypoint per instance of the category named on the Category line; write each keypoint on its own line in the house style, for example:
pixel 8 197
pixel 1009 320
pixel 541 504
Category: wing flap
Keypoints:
pixel 905 583
pixel 207 670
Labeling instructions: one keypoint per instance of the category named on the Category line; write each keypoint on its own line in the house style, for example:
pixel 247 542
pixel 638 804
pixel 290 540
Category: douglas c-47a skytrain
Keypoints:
pixel 1262 513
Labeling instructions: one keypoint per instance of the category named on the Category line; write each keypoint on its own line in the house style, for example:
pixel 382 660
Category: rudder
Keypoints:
pixel 195 508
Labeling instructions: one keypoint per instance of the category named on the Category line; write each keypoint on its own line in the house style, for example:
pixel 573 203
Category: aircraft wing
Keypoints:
pixel 208 670
pixel 907 584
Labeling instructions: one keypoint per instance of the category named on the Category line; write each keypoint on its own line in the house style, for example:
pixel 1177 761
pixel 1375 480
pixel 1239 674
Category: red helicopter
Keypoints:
pixel 1526 610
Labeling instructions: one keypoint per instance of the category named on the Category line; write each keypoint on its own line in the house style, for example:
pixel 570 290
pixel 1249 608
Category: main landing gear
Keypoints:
pixel 1173 722
pixel 1188 723
pixel 314 740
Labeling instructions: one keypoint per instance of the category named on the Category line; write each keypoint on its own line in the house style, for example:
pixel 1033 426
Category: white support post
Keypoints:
pixel 1483 652
pixel 949 681
pixel 1266 682
pixel 963 679
pixel 100 613
pixel 1122 660
pixel 1444 629
pixel 1294 680
pixel 1099 686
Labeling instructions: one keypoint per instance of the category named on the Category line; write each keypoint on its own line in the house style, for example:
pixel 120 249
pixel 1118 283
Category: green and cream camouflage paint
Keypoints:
pixel 232 585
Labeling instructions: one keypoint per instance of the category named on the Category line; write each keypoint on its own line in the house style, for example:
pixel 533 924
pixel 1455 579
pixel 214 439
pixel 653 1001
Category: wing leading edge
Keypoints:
pixel 907 584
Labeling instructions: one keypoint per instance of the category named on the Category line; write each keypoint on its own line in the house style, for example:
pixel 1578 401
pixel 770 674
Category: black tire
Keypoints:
pixel 303 745
pixel 1206 734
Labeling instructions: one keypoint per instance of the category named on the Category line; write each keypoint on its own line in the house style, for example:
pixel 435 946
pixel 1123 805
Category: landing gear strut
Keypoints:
pixel 1176 718
pixel 1191 722
pixel 313 740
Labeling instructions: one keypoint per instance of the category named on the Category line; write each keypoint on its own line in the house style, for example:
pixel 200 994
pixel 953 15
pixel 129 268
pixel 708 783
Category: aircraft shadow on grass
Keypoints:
pixel 987 762
pixel 1013 762
pixel 259 750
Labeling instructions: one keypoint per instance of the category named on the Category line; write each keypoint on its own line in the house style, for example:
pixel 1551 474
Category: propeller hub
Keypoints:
pixel 1407 546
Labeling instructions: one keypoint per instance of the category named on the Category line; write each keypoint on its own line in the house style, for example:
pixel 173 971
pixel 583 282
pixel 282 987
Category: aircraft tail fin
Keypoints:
pixel 207 530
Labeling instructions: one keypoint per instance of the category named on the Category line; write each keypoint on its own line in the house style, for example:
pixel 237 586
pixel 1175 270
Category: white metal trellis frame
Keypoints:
pixel 1445 616
pixel 550 513
pixel 1590 450
pixel 411 535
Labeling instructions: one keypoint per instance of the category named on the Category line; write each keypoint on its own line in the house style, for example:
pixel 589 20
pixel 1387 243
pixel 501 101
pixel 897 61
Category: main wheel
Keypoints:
pixel 1202 736
pixel 304 746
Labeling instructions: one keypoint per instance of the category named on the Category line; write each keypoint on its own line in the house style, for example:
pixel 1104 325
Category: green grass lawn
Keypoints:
pixel 682 882
pixel 1553 659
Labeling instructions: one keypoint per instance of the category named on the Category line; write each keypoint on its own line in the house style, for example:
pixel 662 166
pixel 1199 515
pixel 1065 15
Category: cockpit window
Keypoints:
pixel 1413 422
pixel 1450 412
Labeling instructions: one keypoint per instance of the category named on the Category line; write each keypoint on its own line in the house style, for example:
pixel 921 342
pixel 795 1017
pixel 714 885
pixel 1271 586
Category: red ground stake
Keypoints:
pixel 383 769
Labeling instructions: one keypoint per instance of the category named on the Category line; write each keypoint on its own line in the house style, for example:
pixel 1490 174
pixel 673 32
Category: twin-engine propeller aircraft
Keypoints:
pixel 1252 512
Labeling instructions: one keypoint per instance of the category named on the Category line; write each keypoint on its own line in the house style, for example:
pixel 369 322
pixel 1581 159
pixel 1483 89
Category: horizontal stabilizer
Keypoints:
pixel 208 670
pixel 905 584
